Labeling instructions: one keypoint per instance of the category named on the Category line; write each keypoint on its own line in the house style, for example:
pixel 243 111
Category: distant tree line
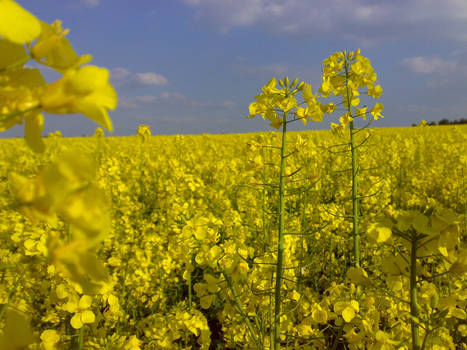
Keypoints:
pixel 446 122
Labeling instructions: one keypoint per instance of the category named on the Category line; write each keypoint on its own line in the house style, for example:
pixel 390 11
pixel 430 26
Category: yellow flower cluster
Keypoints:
pixel 273 100
pixel 343 75
pixel 183 212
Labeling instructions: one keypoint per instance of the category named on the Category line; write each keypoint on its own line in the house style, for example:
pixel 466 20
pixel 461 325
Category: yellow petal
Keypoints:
pixel 26 77
pixel 61 291
pixel 112 300
pixel 17 24
pixel 307 93
pixel 319 316
pixel 379 234
pixel 85 302
pixel 88 79
pixel 357 275
pixel 54 50
pixel 72 304
pixel 76 322
pixel 459 313
pixel 50 336
pixel 348 314
pixel 443 251
pixel 211 283
pixel 88 316
pixel 207 301
pixel 12 53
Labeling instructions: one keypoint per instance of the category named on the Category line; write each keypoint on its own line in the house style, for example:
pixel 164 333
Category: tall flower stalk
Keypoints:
pixel 277 105
pixel 343 75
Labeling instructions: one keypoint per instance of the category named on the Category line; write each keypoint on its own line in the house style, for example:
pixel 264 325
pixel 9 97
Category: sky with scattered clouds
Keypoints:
pixel 193 66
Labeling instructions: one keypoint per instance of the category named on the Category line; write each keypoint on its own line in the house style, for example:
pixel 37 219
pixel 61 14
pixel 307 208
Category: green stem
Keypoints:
pixel 353 149
pixel 263 199
pixel 271 333
pixel 6 117
pixel 355 233
pixel 414 307
pixel 81 338
pixel 189 290
pixel 17 64
pixel 239 308
pixel 280 243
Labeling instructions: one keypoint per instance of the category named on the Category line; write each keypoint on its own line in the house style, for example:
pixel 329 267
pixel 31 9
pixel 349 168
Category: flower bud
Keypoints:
pixel 286 81
pixel 281 83
pixel 295 81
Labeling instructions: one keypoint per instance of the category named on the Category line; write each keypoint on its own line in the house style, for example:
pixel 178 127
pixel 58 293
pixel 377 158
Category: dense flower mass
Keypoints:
pixel 232 241
pixel 188 221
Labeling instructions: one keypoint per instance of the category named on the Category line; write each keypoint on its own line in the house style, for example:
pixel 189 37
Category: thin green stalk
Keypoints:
pixel 263 198
pixel 6 117
pixel 239 308
pixel 330 257
pixel 81 338
pixel 280 243
pixel 414 307
pixel 304 228
pixel 271 333
pixel 16 64
pixel 353 149
pixel 189 291
pixel 355 233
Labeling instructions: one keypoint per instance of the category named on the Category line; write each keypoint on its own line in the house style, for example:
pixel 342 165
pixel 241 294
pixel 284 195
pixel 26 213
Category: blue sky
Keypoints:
pixel 193 66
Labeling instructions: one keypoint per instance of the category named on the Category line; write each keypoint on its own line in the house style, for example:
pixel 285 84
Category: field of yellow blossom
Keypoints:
pixel 189 258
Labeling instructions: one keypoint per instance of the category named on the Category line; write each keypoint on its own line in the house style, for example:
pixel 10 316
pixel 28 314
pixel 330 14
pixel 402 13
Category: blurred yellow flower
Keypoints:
pixel 54 50
pixel 17 24
pixel 84 90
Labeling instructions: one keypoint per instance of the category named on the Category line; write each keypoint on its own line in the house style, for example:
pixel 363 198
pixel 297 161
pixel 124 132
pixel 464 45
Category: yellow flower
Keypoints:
pixel 376 110
pixel 17 24
pixel 49 339
pixel 84 90
pixel 54 50
pixel 82 314
pixel 375 91
pixel 345 119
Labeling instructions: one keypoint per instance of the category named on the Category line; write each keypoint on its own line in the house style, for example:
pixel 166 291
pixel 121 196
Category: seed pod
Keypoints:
pixel 434 301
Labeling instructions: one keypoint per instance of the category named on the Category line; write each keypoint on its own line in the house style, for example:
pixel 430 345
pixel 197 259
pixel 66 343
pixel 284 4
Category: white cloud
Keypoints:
pixel 91 3
pixel 429 65
pixel 119 73
pixel 366 21
pixel 151 78
pixel 172 98
pixel 121 76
